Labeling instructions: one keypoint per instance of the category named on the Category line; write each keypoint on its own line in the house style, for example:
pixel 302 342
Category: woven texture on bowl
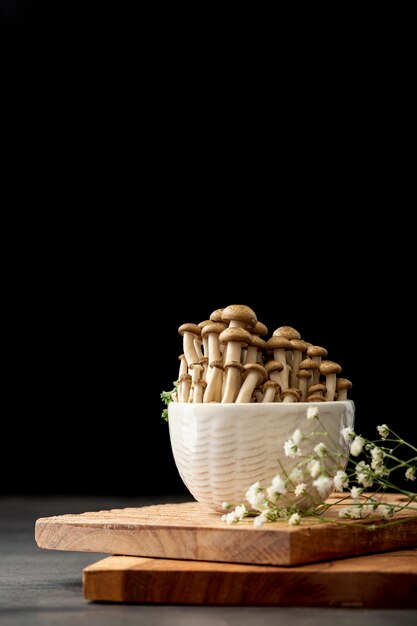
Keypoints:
pixel 222 449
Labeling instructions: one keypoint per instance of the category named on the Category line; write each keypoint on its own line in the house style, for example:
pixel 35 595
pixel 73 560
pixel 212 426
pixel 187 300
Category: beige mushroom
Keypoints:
pixel 329 369
pixel 316 353
pixel 199 387
pixel 298 348
pixel 211 332
pixel 255 347
pixel 216 316
pixel 289 333
pixel 291 395
pixel 189 332
pixel 269 388
pixel 254 375
pixel 239 316
pixel 184 384
pixel 317 390
pixel 274 369
pixel 201 325
pixel 342 385
pixel 236 339
pixel 279 345
pixel 304 375
pixel 183 366
pixel 310 365
pixel 260 330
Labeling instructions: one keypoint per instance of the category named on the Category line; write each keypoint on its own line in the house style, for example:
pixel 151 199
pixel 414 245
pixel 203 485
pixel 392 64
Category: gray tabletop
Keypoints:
pixel 44 587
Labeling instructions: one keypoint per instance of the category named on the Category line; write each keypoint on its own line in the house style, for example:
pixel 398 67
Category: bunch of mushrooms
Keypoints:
pixel 227 359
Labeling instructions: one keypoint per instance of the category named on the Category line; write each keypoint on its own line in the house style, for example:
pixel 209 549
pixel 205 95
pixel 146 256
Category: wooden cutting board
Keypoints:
pixel 191 531
pixel 379 580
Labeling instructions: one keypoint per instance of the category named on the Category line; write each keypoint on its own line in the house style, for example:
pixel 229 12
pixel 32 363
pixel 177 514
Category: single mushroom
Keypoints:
pixel 316 353
pixel 189 333
pixel 204 338
pixel 260 330
pixel 279 345
pixel 329 369
pixel 255 347
pixel 254 375
pixel 342 385
pixel 291 395
pixel 298 348
pixel 304 375
pixel 310 365
pixel 269 388
pixel 184 384
pixel 214 378
pixel 317 390
pixel 216 316
pixel 236 339
pixel 183 366
pixel 199 391
pixel 287 331
pixel 239 316
pixel 274 369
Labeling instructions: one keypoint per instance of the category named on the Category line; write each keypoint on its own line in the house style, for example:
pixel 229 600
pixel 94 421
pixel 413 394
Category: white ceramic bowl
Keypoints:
pixel 221 449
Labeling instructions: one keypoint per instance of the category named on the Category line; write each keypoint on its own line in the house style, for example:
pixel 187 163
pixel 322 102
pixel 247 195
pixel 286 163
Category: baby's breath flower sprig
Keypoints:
pixel 321 467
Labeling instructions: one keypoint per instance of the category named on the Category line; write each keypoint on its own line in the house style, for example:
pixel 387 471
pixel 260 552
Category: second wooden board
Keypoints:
pixel 191 531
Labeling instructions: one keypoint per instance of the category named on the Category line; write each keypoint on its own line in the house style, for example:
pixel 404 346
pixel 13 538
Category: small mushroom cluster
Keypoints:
pixel 226 360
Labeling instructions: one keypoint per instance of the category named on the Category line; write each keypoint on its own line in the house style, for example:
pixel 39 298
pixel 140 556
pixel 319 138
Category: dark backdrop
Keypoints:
pixel 297 212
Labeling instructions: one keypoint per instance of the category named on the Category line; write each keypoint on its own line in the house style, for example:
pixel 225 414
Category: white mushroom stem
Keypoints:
pixel 331 387
pixel 205 345
pixel 183 366
pixel 214 385
pixel 297 357
pixel 279 355
pixel 342 394
pixel 251 354
pixel 184 385
pixel 232 384
pixel 213 347
pixel 197 372
pixel 197 347
pixel 304 377
pixel 270 390
pixel 290 395
pixel 189 348
pixel 316 372
pixel 199 391
pixel 204 364
pixel 233 351
pixel 252 379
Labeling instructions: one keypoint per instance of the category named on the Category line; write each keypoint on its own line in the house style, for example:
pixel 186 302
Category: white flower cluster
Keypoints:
pixel 315 469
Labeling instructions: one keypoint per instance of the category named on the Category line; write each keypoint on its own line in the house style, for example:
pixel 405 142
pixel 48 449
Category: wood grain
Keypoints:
pixel 381 580
pixel 191 531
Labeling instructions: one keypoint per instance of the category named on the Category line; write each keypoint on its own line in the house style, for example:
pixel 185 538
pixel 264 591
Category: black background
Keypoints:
pixel 139 201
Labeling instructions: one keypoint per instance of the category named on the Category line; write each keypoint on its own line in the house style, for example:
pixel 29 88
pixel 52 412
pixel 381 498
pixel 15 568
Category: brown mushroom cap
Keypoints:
pixel 269 383
pixel 258 342
pixel 308 364
pixel 218 364
pixel 305 373
pixel 213 327
pixel 293 392
pixel 273 366
pixel 298 344
pixel 189 328
pixel 184 377
pixel 200 382
pixel 314 389
pixel 240 313
pixel 260 329
pixel 234 364
pixel 257 368
pixel 315 398
pixel 287 331
pixel 343 383
pixel 329 367
pixel 235 334
pixel 216 316
pixel 277 343
pixel 203 323
pixel 316 351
